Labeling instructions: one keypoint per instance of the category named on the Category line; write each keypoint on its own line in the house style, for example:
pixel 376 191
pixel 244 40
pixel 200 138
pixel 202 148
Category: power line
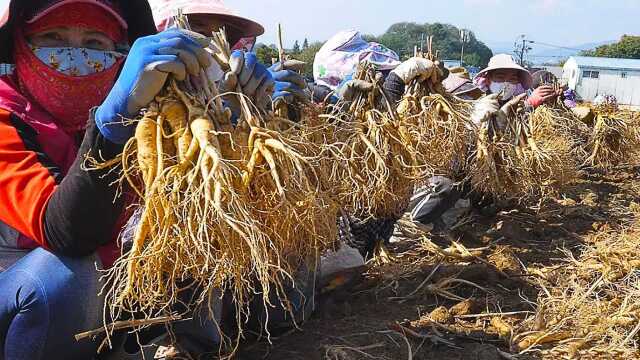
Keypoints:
pixel 548 56
pixel 522 49
pixel 554 46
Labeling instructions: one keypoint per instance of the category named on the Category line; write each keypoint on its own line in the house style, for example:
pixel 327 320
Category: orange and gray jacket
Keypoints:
pixel 47 198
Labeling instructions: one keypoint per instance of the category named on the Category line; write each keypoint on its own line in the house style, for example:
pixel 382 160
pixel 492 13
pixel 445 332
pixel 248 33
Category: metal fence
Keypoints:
pixel 6 69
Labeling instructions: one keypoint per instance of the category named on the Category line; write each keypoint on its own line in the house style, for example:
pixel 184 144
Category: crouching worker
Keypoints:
pixel 503 81
pixel 334 68
pixel 56 220
pixel 504 84
pixel 81 67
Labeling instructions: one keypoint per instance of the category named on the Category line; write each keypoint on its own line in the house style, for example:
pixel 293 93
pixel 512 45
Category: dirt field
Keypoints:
pixel 434 302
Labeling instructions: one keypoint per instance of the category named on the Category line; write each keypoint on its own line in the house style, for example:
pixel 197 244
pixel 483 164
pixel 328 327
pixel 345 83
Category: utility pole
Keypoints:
pixel 521 49
pixel 422 43
pixel 464 37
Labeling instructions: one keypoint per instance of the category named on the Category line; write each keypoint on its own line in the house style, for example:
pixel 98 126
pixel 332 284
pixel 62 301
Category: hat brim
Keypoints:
pixel 244 28
pixel 460 86
pixel 467 89
pixel 62 3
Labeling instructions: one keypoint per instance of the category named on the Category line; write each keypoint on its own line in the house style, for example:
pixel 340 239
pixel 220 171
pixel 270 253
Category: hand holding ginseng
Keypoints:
pixel 350 89
pixel 488 107
pixel 542 95
pixel 484 108
pixel 252 78
pixel 290 86
pixel 149 63
pixel 507 110
pixel 224 206
pixel 421 69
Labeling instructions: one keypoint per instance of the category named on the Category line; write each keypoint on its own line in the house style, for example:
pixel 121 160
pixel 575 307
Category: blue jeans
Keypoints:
pixel 44 301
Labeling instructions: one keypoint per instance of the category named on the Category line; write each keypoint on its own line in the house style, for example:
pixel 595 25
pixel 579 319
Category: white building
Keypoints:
pixel 451 63
pixel 593 76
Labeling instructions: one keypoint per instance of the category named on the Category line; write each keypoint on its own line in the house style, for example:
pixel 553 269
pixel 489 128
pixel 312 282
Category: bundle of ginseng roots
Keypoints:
pixel 615 139
pixel 224 207
pixel 371 159
pixel 439 126
pixel 524 155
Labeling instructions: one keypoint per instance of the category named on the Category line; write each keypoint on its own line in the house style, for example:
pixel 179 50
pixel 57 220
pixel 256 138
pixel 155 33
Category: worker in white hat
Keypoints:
pixel 505 77
pixel 505 83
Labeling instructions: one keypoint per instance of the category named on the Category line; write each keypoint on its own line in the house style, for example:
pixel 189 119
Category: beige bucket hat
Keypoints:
pixel 506 61
pixel 164 10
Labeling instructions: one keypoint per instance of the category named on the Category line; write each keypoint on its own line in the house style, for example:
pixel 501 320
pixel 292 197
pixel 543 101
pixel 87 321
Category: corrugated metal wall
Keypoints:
pixel 6 69
pixel 623 84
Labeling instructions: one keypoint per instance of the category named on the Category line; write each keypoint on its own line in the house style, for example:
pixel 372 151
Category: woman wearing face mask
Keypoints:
pixel 504 83
pixel 504 77
pixel 81 67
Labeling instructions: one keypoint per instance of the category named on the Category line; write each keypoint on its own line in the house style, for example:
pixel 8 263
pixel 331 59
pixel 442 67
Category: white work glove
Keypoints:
pixel 416 67
pixel 349 90
pixel 487 107
pixel 484 108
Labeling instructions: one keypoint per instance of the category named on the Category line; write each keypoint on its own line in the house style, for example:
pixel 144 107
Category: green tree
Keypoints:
pixel 296 47
pixel 266 54
pixel 308 55
pixel 403 37
pixel 627 48
pixel 305 44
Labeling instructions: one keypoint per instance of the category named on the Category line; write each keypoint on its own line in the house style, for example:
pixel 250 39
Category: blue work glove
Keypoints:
pixel 149 63
pixel 289 84
pixel 253 78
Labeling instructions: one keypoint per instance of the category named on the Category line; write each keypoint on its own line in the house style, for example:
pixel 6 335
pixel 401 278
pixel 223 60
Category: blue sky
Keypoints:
pixel 559 22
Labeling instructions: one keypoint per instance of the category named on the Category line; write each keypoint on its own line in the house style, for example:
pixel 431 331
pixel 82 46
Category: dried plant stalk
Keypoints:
pixel 615 139
pixel 590 307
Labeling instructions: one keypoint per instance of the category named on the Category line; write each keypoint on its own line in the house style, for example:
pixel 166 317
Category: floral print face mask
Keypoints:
pixel 77 61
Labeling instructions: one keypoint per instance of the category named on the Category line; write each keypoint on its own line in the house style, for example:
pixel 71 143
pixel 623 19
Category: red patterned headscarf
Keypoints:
pixel 67 98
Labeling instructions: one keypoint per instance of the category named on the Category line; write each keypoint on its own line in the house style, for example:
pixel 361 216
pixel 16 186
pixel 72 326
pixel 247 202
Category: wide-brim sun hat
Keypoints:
pixel 458 85
pixel 543 77
pixel 506 62
pixel 460 71
pixel 164 10
pixel 134 15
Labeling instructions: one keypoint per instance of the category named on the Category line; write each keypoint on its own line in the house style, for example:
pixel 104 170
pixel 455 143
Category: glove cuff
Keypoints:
pixel 112 126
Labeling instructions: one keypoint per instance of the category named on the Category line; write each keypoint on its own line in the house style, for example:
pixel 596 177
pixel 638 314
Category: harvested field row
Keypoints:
pixel 558 283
